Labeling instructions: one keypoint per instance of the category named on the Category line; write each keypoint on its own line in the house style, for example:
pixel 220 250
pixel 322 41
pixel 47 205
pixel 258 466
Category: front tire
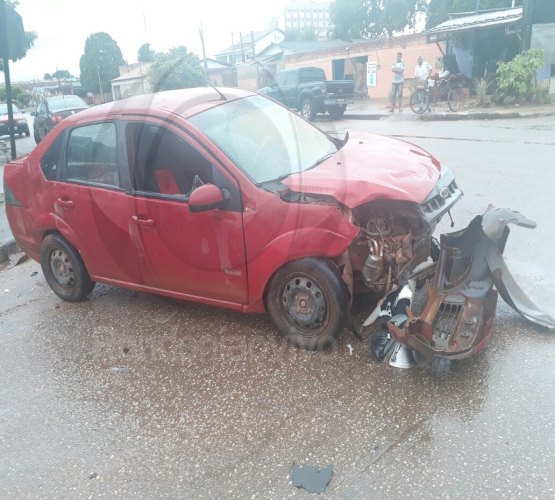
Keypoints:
pixel 308 301
pixel 64 269
pixel 307 109
pixel 36 136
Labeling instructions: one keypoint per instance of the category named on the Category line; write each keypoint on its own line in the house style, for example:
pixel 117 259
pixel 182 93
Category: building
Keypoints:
pixel 132 80
pixel 219 73
pixel 245 46
pixel 308 15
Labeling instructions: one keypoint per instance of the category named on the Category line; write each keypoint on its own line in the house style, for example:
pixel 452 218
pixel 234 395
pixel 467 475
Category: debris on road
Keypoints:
pixel 120 369
pixel 310 478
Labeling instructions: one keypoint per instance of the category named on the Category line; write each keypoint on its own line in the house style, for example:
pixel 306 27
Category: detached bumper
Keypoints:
pixel 457 320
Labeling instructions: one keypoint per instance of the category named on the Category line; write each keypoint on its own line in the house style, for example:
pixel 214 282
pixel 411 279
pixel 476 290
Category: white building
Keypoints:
pixel 133 80
pixel 302 15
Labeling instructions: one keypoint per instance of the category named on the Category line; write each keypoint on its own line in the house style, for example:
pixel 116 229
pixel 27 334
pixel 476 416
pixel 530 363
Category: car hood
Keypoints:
pixel 371 167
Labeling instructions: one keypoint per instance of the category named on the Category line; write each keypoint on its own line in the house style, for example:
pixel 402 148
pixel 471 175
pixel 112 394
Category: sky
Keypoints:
pixel 63 26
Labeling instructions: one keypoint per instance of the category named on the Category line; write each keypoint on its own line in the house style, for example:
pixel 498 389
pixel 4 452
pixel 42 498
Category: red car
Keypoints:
pixel 229 199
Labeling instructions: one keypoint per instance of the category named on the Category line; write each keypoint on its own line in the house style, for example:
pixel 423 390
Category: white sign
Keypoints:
pixel 371 74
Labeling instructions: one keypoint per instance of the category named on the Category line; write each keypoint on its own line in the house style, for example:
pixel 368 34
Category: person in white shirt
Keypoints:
pixel 422 70
pixel 398 69
pixel 421 74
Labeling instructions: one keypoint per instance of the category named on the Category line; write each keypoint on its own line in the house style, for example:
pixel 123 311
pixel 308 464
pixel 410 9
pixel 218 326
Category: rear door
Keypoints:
pixel 199 254
pixel 92 207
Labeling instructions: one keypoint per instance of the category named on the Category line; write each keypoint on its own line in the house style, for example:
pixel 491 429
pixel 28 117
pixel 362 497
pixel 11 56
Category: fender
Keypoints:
pixel 290 246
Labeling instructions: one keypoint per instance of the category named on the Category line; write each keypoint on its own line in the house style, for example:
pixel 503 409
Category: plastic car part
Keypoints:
pixel 457 320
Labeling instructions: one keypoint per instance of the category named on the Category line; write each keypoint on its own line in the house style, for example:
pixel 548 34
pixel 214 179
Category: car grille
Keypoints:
pixel 446 320
pixel 439 201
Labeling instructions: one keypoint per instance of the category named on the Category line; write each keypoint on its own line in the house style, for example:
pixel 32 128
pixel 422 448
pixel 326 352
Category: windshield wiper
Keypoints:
pixel 284 176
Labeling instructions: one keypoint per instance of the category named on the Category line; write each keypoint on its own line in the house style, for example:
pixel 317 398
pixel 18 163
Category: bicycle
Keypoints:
pixel 435 90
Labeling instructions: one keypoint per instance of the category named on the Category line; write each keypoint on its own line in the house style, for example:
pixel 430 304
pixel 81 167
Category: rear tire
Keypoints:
pixel 27 133
pixel 36 136
pixel 336 112
pixel 453 100
pixel 307 109
pixel 308 301
pixel 64 269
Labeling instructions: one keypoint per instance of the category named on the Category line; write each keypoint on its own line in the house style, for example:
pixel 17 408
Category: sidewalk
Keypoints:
pixel 376 109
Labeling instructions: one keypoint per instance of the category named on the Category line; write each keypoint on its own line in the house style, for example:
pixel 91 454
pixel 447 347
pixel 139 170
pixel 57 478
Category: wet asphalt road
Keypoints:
pixel 129 394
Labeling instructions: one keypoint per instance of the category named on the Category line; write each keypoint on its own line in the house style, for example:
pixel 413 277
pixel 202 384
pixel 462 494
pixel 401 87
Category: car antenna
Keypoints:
pixel 214 87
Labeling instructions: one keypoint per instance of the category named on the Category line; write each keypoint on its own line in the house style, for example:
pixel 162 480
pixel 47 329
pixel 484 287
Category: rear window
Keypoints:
pixel 68 102
pixel 312 75
pixel 4 109
pixel 92 154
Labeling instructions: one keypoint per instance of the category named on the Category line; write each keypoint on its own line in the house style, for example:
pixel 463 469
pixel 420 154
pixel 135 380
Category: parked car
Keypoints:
pixel 228 199
pixel 307 90
pixel 20 125
pixel 52 110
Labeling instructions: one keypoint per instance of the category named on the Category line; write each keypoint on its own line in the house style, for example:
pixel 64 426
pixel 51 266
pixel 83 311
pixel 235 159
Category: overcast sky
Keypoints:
pixel 63 26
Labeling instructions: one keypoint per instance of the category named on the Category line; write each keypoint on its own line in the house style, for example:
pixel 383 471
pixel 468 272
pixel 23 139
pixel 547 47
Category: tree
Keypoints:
pixel 176 69
pixel 307 34
pixel 439 10
pixel 61 73
pixel 100 61
pixel 372 18
pixel 29 36
pixel 47 77
pixel 145 53
pixel 16 92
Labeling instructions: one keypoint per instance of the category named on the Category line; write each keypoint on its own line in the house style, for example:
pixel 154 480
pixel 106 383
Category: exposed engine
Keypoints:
pixel 394 239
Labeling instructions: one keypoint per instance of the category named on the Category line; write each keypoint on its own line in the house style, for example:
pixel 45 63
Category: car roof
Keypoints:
pixel 182 102
pixel 62 97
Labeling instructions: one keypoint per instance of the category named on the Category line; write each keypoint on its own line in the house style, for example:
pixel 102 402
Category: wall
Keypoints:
pixel 383 52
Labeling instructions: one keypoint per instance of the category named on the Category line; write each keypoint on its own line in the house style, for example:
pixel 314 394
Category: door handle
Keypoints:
pixel 141 221
pixel 64 202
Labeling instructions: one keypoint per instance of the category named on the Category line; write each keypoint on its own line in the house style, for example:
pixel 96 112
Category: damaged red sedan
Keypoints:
pixel 227 198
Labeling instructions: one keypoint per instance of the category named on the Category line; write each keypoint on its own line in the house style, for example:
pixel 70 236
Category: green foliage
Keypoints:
pixel 61 73
pixel 176 69
pixel 47 77
pixel 296 35
pixel 16 92
pixel 372 18
pixel 481 87
pixel 516 78
pixel 101 58
pixel 145 53
pixel 437 10
pixel 29 38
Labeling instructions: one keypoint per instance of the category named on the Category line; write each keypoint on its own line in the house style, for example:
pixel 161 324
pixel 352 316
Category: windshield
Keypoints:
pixel 4 109
pixel 265 140
pixel 68 102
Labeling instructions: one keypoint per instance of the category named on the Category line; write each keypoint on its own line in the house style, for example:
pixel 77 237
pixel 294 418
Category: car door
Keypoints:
pixel 39 120
pixel 197 254
pixel 92 206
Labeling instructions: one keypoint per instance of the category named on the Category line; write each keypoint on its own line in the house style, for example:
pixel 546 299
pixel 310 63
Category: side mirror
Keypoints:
pixel 33 113
pixel 208 197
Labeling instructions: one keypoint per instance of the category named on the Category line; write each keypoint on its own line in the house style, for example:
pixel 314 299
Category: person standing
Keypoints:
pixel 398 69
pixel 421 75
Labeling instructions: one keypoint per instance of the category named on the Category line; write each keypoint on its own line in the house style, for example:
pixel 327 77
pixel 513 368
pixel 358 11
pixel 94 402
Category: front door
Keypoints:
pixel 92 208
pixel 198 254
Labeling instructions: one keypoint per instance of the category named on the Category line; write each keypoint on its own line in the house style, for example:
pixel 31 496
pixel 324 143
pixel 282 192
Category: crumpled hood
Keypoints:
pixel 371 167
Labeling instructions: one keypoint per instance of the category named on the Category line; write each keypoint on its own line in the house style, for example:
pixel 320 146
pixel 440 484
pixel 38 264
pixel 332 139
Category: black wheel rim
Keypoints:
pixel 62 269
pixel 304 305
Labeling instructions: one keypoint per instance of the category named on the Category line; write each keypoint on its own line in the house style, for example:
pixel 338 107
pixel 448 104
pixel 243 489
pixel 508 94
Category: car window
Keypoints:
pixel 50 160
pixel 92 154
pixel 280 79
pixel 163 163
pixel 4 109
pixel 66 102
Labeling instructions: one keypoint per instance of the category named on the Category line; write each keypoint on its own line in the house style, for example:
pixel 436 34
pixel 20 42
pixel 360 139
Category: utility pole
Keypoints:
pixel 242 47
pixel 201 33
pixel 6 61
pixel 527 20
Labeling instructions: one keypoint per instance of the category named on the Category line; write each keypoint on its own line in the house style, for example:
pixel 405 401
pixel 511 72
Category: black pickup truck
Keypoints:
pixel 307 90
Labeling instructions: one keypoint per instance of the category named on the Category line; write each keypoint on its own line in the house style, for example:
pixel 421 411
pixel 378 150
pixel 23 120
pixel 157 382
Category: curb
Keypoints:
pixel 7 248
pixel 454 116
